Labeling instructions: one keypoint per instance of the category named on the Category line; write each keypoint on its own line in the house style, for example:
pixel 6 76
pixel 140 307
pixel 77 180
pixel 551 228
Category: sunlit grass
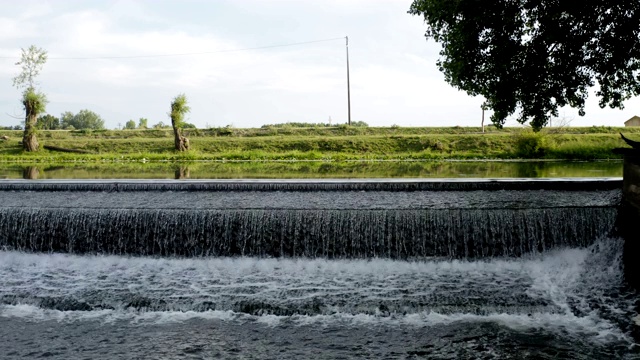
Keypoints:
pixel 321 144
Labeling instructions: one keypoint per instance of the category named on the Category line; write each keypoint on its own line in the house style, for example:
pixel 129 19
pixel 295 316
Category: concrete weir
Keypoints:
pixel 395 219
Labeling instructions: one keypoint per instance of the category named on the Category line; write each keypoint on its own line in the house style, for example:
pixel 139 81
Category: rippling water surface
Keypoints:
pixel 563 304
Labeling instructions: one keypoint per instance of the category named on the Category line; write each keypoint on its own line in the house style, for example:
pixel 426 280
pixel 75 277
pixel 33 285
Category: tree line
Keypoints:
pixel 89 120
pixel 84 119
pixel 143 124
pixel 34 101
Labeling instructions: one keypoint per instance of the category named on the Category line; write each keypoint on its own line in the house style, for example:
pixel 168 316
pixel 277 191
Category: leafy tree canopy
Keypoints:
pixel 537 56
pixel 34 102
pixel 65 119
pixel 130 125
pixel 31 62
pixel 84 119
pixel 15 127
pixel 48 122
pixel 161 125
pixel 179 108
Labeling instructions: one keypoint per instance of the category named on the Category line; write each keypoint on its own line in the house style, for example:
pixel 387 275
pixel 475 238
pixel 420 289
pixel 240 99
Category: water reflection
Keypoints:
pixel 30 173
pixel 310 169
pixel 183 172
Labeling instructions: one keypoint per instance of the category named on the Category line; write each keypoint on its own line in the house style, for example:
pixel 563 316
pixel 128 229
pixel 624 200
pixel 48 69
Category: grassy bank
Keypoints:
pixel 329 144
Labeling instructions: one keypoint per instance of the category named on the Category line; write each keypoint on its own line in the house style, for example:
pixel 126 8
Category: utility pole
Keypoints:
pixel 348 84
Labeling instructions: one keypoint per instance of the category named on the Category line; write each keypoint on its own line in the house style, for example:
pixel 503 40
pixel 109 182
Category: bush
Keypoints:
pixel 531 145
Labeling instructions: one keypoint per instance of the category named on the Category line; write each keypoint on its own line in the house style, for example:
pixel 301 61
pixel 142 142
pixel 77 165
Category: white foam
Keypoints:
pixel 590 326
pixel 34 313
pixel 569 280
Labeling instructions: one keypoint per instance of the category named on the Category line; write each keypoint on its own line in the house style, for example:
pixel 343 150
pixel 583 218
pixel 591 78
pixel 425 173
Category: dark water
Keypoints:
pixel 387 271
pixel 564 304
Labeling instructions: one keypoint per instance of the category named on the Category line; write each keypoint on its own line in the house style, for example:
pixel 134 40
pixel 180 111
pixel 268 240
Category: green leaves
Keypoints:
pixel 31 62
pixel 84 119
pixel 536 56
pixel 48 122
pixel 34 102
pixel 179 108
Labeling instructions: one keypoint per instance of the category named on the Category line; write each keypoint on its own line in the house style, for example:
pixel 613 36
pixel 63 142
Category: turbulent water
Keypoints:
pixel 295 270
pixel 564 304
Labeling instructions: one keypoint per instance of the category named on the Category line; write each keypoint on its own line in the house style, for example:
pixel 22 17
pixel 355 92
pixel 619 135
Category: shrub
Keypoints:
pixel 531 145
pixel 359 124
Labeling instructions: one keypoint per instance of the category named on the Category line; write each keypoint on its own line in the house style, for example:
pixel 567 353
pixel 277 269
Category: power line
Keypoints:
pixel 184 54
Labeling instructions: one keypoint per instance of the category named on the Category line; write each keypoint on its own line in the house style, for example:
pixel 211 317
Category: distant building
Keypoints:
pixel 634 121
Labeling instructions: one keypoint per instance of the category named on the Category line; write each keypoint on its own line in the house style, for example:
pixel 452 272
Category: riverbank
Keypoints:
pixel 322 143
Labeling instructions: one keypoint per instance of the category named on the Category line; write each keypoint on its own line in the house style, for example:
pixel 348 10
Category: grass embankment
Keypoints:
pixel 324 143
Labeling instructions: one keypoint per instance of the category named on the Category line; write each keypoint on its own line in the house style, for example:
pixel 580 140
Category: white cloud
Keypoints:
pixel 393 72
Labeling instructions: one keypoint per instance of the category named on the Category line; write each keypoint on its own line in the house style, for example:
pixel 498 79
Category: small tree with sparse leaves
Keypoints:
pixel 31 62
pixel 179 108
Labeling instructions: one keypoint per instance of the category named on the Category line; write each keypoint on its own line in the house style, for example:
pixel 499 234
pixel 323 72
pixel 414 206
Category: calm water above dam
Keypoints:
pixel 313 169
pixel 314 269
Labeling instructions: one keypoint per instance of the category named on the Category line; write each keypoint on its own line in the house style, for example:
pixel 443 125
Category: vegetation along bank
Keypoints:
pixel 333 143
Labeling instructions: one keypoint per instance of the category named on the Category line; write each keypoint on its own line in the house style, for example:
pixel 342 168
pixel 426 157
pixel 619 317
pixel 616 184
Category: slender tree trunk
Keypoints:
pixel 29 140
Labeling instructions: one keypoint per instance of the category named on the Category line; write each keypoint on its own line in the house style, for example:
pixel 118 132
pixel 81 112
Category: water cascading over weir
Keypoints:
pixel 397 219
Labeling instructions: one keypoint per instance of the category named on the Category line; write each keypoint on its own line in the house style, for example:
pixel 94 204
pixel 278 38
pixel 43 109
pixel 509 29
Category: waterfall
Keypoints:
pixel 293 269
pixel 306 219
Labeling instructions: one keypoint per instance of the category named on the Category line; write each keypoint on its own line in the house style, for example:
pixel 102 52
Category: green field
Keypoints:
pixel 337 143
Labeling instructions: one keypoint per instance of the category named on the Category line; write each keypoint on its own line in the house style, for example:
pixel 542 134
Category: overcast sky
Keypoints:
pixel 394 79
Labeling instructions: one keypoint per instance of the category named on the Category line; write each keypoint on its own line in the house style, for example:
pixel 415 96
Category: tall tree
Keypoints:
pixel 48 122
pixel 143 123
pixel 31 62
pixel 179 108
pixel 65 120
pixel 84 119
pixel 130 125
pixel 534 56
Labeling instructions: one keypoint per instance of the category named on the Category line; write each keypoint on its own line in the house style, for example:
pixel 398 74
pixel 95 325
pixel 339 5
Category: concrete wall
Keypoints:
pixel 629 219
pixel 631 186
